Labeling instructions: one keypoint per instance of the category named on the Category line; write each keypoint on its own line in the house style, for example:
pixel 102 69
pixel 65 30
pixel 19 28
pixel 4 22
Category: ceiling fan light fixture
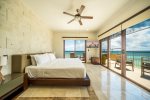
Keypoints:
pixel 78 16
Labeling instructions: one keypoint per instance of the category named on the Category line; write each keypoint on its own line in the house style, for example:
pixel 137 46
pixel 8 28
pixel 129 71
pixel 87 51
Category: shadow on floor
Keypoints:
pixel 146 77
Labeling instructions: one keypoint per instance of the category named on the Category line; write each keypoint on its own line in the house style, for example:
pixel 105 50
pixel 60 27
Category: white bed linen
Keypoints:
pixel 58 68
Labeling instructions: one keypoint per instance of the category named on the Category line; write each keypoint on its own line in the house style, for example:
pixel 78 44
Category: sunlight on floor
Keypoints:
pixel 108 85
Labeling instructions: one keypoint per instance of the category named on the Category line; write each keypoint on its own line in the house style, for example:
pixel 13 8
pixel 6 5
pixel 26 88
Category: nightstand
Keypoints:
pixel 95 60
pixel 12 83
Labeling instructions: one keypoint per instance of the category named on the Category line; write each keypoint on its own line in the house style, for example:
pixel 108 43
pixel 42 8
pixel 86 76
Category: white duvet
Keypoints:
pixel 58 68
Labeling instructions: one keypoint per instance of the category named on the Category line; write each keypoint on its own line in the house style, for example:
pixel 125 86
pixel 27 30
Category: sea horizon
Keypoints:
pixel 134 55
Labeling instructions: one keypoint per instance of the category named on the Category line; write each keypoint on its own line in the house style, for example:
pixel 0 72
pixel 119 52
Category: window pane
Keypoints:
pixel 143 25
pixel 74 49
pixel 80 45
pixel 115 52
pixel 138 49
pixel 104 52
pixel 69 47
pixel 80 49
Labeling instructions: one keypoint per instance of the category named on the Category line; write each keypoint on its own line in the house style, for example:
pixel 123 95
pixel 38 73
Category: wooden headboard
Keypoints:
pixel 20 61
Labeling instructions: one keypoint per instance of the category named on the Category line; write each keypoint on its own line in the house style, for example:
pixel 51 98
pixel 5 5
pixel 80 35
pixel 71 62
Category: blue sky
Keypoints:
pixel 69 45
pixel 137 41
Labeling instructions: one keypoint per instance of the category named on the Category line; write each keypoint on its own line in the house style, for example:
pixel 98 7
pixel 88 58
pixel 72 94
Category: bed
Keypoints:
pixel 66 75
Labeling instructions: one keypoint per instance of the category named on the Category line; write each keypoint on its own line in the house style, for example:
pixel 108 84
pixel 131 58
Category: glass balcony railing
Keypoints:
pixel 136 56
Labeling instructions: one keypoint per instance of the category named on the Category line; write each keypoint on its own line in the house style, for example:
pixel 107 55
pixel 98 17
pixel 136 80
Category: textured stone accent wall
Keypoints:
pixel 21 31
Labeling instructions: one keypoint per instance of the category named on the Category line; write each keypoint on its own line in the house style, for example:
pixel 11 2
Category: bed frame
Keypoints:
pixel 20 61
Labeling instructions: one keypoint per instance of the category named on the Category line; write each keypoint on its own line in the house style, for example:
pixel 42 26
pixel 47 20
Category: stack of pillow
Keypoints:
pixel 39 59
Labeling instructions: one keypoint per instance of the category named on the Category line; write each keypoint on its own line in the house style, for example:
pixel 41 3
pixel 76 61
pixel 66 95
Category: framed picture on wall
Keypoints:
pixel 92 44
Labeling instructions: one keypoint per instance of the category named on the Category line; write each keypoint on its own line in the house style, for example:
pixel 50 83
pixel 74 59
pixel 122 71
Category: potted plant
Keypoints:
pixel 104 57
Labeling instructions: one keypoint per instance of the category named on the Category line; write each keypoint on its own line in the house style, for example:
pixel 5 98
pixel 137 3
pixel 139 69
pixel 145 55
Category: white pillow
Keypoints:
pixel 41 59
pixel 51 56
pixel 33 62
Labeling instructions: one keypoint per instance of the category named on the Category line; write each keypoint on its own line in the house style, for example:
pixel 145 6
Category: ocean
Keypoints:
pixel 78 53
pixel 135 56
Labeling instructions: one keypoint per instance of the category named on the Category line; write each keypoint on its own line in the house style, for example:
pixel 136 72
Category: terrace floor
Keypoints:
pixel 133 75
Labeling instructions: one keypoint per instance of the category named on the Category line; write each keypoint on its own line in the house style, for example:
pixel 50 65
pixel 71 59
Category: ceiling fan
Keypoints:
pixel 78 16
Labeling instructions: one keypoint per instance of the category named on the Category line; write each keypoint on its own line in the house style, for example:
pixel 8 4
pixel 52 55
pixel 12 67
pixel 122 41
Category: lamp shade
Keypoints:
pixel 3 60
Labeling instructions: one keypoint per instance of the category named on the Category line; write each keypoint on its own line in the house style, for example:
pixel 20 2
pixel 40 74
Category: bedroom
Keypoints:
pixel 23 21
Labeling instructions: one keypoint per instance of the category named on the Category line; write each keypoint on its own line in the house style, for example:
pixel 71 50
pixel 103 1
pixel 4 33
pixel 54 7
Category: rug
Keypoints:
pixel 58 93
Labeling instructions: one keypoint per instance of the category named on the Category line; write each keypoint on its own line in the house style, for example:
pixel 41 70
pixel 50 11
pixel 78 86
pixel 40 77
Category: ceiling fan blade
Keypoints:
pixel 81 9
pixel 68 14
pixel 87 17
pixel 71 21
pixel 80 22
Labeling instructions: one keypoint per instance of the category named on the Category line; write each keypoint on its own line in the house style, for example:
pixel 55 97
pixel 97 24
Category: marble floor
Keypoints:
pixel 110 86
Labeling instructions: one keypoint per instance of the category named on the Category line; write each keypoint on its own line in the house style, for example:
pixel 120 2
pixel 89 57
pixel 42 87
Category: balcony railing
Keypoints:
pixel 135 56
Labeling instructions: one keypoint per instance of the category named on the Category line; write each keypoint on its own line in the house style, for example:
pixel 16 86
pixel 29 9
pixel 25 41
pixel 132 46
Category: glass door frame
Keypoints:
pixel 123 53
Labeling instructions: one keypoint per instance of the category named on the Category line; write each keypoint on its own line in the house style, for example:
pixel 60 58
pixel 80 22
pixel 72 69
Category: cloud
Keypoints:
pixel 116 43
pixel 138 41
pixel 70 45
pixel 69 48
pixel 80 47
pixel 104 45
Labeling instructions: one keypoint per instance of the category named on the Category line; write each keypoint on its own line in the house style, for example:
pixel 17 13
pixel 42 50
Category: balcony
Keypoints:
pixel 137 60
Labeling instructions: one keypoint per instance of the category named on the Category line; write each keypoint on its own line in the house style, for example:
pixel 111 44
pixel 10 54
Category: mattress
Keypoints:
pixel 58 68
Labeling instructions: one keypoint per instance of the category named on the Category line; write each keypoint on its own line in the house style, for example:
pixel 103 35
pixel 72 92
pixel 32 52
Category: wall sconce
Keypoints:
pixel 3 62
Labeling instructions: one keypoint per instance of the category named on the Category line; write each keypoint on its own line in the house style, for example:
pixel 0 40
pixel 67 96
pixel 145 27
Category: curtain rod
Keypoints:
pixel 74 37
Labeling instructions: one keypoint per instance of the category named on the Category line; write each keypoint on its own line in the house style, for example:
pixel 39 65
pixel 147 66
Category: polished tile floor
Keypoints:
pixel 134 75
pixel 110 86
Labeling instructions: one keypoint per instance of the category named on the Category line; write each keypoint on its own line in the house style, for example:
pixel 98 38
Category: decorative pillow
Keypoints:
pixel 41 59
pixel 51 56
pixel 33 62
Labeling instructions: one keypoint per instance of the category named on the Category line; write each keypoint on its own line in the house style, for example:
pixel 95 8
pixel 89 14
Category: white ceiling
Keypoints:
pixel 51 12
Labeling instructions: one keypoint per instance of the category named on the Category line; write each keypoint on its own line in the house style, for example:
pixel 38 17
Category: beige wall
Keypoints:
pixel 123 14
pixel 58 40
pixel 25 32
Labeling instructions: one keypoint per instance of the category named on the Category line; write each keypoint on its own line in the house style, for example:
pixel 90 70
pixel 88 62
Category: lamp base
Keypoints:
pixel 1 75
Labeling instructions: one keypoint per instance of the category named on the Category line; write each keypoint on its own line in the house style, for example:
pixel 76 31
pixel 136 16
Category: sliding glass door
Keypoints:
pixel 115 52
pixel 128 53
pixel 138 53
pixel 75 49
pixel 104 52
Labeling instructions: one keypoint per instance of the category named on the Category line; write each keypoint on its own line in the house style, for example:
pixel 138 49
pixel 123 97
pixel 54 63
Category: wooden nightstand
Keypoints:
pixel 11 84
pixel 95 60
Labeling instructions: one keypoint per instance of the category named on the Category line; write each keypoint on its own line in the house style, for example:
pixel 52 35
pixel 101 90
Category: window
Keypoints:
pixel 75 49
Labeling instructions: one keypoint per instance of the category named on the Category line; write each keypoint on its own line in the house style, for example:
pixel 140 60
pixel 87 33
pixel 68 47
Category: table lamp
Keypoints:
pixel 3 62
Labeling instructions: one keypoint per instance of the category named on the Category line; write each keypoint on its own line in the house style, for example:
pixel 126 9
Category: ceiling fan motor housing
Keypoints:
pixel 78 15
